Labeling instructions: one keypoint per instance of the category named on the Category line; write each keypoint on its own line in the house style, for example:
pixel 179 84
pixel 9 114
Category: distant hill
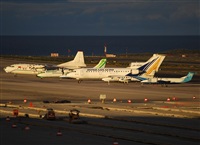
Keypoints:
pixel 183 51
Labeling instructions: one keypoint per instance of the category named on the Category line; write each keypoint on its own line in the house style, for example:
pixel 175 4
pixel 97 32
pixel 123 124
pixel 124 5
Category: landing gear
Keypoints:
pixel 79 81
pixel 164 85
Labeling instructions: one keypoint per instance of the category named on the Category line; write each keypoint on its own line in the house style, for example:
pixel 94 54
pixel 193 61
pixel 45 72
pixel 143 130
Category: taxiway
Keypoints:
pixel 125 116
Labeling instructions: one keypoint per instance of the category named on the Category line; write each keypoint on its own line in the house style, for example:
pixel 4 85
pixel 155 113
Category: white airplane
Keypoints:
pixel 24 68
pixel 149 74
pixel 62 71
pixel 166 81
pixel 38 68
pixel 110 74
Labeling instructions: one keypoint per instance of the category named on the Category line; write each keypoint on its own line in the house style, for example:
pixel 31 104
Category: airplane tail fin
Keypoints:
pixel 101 64
pixel 145 75
pixel 152 65
pixel 188 77
pixel 159 62
pixel 77 62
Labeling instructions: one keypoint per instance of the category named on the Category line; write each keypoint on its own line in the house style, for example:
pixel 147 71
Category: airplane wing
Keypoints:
pixel 163 82
pixel 119 78
pixel 108 79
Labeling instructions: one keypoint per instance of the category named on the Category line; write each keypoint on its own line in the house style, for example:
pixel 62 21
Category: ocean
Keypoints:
pixel 94 45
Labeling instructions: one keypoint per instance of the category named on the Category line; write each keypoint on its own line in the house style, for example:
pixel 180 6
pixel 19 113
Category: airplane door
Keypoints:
pixel 81 73
pixel 100 71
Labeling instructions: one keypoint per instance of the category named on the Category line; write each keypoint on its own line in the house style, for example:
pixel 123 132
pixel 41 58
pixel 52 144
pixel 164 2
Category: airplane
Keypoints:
pixel 149 74
pixel 110 74
pixel 136 78
pixel 77 62
pixel 61 71
pixel 24 68
pixel 166 81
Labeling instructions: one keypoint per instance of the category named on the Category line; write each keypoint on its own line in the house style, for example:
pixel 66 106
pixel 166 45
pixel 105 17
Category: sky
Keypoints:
pixel 100 17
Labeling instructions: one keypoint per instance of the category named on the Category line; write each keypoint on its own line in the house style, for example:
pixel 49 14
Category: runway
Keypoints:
pixel 129 120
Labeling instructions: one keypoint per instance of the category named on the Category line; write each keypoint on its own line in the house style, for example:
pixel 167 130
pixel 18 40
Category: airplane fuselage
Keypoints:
pixel 164 80
pixel 25 68
pixel 91 73
pixel 77 62
pixel 53 73
pixel 183 79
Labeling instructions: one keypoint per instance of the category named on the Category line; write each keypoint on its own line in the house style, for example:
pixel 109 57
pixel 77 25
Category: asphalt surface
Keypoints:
pixel 128 120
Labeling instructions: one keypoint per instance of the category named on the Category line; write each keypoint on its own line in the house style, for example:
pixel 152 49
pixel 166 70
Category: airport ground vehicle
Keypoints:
pixel 73 115
pixel 50 115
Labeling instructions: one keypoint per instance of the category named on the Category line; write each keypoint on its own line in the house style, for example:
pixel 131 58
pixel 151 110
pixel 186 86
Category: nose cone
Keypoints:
pixel 40 75
pixel 7 69
pixel 106 79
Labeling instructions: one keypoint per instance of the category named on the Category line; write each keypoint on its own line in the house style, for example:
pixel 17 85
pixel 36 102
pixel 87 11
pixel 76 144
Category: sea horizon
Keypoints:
pixel 42 45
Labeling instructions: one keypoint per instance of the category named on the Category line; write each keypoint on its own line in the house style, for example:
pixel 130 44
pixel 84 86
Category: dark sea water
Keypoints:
pixel 94 45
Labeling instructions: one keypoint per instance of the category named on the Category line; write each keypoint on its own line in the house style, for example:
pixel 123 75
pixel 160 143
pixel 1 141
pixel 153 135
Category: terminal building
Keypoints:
pixel 54 54
pixel 105 52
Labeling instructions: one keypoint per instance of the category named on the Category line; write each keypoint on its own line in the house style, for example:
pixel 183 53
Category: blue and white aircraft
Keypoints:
pixel 165 81
pixel 114 74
